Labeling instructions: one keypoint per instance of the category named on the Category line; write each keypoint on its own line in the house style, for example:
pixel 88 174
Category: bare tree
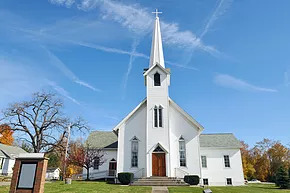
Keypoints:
pixel 41 123
pixel 85 156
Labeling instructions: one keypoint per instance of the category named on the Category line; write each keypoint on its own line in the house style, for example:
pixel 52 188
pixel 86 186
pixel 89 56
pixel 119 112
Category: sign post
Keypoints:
pixel 29 173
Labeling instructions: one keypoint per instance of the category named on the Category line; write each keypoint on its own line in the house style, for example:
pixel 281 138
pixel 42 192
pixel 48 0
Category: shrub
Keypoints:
pixel 125 177
pixel 191 179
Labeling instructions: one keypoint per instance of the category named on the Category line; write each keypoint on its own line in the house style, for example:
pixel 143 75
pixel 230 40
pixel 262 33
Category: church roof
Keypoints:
pixel 103 139
pixel 219 140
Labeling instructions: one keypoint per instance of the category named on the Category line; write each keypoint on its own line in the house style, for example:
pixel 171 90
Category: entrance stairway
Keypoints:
pixel 159 181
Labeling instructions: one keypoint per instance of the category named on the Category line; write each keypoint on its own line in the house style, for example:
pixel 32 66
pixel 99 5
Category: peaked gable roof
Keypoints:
pixel 129 115
pixel 102 139
pixel 10 151
pixel 166 70
pixel 186 115
pixel 219 140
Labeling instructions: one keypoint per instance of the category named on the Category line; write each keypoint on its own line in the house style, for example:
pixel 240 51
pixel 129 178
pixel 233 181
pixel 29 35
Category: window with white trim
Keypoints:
pixel 182 152
pixel 227 161
pixel 203 161
pixel 134 152
pixel 229 181
pixel 158 116
pixel 157 81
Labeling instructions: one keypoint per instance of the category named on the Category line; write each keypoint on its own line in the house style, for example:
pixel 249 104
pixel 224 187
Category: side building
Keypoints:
pixel 7 158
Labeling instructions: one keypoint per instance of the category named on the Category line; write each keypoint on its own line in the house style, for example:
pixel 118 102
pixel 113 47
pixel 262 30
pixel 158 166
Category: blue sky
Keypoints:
pixel 229 60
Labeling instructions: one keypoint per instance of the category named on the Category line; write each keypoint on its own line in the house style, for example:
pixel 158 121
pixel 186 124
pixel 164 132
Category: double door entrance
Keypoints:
pixel 158 164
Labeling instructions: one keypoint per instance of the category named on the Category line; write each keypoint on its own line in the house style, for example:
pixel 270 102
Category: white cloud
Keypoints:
pixel 67 3
pixel 140 21
pixel 54 60
pixel 62 91
pixel 228 81
pixel 221 8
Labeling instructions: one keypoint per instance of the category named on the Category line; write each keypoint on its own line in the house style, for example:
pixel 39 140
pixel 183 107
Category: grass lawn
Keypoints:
pixel 102 187
pixel 252 188
pixel 84 187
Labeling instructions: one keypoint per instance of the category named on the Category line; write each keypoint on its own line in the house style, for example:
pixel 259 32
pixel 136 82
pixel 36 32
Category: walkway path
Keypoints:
pixel 159 189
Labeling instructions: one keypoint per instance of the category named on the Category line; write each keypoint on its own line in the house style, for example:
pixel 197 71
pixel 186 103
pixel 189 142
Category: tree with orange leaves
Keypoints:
pixel 6 135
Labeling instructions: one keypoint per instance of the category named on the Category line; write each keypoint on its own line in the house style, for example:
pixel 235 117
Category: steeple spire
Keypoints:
pixel 156 48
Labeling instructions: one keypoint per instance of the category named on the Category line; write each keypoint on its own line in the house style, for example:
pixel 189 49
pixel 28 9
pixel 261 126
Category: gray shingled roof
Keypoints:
pixel 227 140
pixel 103 139
pixel 107 139
pixel 10 151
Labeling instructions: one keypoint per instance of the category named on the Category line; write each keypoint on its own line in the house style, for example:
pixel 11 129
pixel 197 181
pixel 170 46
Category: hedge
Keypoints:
pixel 125 177
pixel 191 179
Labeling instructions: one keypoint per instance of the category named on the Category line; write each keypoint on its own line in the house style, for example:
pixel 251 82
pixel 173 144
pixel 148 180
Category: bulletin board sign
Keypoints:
pixel 27 175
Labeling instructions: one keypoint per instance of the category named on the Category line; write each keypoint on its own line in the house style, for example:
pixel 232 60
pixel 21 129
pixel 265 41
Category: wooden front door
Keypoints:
pixel 158 164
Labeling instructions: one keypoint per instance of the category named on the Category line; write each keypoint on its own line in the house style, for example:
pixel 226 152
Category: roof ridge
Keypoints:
pixel 216 133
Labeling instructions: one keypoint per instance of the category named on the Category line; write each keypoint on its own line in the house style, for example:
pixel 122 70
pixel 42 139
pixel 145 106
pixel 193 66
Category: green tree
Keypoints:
pixel 54 160
pixel 282 178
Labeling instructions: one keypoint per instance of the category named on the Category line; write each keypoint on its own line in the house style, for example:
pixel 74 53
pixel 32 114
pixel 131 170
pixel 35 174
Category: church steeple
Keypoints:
pixel 156 48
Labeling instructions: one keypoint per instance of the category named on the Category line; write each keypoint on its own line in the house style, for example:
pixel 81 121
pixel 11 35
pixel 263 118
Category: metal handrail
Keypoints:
pixel 184 172
pixel 138 172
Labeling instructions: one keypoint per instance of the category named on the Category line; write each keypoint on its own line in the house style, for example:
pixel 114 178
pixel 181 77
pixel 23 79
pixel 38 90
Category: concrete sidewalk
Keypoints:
pixel 159 189
pixel 4 183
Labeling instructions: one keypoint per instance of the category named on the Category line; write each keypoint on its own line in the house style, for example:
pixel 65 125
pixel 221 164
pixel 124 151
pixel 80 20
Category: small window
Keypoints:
pixel 229 181
pixel 157 79
pixel 96 163
pixel 182 152
pixel 205 182
pixel 203 162
pixel 134 153
pixel 227 161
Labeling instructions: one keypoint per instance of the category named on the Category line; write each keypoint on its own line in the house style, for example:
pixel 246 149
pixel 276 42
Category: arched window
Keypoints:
pixel 182 152
pixel 158 116
pixel 134 152
pixel 157 79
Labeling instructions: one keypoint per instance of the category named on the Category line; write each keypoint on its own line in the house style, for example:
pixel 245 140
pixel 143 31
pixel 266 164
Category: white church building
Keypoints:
pixel 158 138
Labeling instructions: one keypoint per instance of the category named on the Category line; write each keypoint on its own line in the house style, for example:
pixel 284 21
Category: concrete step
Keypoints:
pixel 164 180
pixel 159 181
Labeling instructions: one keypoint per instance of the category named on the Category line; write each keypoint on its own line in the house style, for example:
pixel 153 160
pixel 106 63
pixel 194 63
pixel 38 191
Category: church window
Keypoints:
pixel 96 163
pixel 157 79
pixel 227 161
pixel 182 152
pixel 203 162
pixel 155 117
pixel 158 116
pixel 134 153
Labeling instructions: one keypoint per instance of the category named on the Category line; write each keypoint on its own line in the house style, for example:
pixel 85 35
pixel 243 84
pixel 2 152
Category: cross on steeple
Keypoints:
pixel 156 12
